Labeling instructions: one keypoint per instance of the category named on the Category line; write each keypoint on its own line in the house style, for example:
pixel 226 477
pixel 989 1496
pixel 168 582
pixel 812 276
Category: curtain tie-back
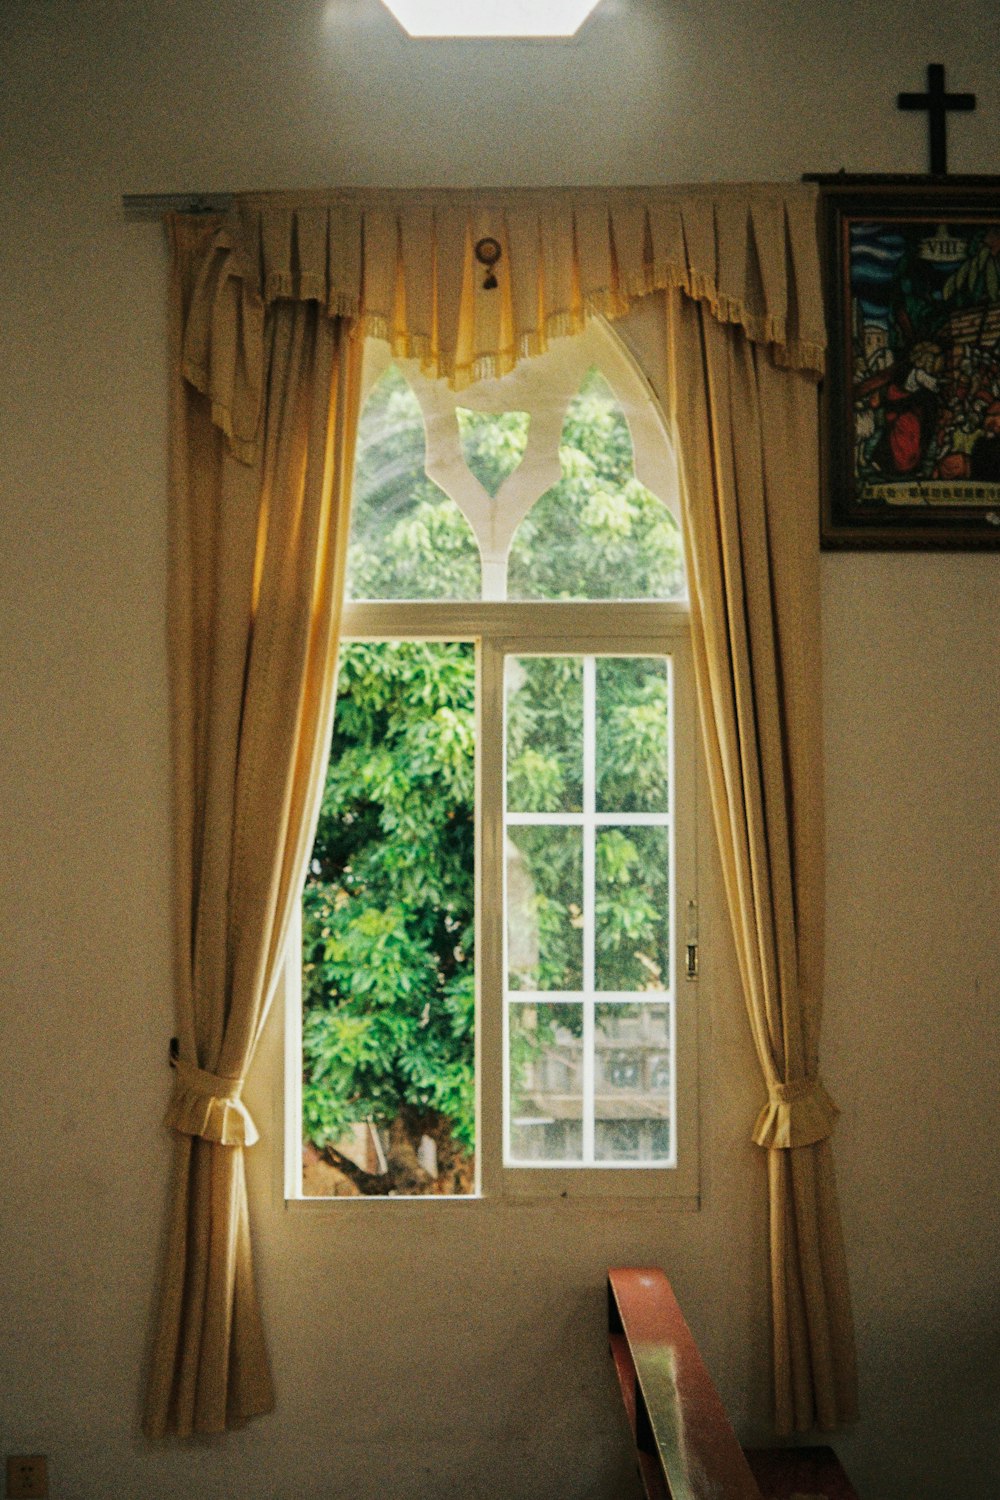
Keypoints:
pixel 798 1113
pixel 206 1105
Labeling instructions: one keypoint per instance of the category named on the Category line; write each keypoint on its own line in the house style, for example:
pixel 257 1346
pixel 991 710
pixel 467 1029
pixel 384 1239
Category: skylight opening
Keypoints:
pixel 491 18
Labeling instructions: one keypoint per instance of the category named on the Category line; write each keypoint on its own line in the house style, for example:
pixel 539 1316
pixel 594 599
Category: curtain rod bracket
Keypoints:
pixel 156 205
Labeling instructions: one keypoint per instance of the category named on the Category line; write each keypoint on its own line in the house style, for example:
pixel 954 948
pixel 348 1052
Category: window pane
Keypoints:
pixel 493 443
pixel 631 909
pixel 544 908
pixel 409 540
pixel 388 977
pixel 599 533
pixel 588 905
pixel 544 733
pixel 632 732
pixel 546 1082
pixel 632 1083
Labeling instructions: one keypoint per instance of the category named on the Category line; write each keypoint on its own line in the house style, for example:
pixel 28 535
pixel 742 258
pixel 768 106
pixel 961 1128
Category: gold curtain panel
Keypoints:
pixel 403 264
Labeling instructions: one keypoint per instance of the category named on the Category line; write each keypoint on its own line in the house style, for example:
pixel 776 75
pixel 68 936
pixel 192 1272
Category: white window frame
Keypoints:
pixel 499 629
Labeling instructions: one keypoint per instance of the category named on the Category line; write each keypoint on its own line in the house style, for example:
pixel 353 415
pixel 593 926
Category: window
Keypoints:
pixel 493 996
pixel 491 18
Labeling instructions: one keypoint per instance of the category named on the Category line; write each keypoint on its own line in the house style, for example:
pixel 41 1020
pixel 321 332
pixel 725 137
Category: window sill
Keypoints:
pixel 581 1202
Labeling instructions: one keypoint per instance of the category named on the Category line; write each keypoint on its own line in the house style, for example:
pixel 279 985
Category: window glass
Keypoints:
pixel 544 903
pixel 546 1087
pixel 545 734
pixel 631 908
pixel 598 533
pixel 409 540
pixel 493 444
pixel 632 1083
pixel 632 734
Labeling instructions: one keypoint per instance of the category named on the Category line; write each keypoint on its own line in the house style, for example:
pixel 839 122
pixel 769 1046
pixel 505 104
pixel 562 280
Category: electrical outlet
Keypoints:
pixel 27 1477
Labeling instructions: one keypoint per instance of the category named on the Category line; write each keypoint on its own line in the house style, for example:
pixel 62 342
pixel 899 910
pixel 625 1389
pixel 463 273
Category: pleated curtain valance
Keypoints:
pixel 403 265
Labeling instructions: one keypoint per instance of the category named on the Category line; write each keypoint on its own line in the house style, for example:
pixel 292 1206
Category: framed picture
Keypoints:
pixel 911 408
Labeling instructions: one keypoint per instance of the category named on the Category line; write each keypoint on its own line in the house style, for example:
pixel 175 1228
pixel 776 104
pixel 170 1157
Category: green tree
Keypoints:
pixel 388 988
pixel 598 533
pixel 409 540
pixel 388 1002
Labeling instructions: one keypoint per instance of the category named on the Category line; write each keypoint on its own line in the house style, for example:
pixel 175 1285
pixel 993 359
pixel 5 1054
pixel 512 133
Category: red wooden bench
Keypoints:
pixel 685 1445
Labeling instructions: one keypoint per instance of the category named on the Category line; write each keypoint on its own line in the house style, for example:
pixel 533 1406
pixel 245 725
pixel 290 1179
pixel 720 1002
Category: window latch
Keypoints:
pixel 691 942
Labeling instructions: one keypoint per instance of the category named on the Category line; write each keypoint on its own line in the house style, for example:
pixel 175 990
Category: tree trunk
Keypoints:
pixel 456 1170
pixel 404 1176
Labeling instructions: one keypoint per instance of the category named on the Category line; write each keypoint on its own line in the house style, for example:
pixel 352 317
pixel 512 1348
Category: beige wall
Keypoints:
pixel 456 1349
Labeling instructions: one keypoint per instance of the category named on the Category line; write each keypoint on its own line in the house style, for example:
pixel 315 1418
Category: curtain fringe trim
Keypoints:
pixel 346 267
pixel 608 302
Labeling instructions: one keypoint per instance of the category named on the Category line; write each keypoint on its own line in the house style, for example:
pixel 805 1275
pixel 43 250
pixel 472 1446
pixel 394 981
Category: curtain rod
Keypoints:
pixel 155 205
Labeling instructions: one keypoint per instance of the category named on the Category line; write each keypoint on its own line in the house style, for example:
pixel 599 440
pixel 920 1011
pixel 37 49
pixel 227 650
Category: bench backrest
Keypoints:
pixel 685 1444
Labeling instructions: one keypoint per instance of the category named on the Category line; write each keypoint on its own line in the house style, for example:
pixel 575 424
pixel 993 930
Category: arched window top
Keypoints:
pixel 557 481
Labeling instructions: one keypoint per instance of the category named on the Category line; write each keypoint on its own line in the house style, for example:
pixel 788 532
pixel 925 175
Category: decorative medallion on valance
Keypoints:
pixel 403 264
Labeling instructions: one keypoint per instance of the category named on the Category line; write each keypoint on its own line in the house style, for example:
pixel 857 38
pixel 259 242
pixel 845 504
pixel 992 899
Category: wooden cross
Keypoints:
pixel 937 104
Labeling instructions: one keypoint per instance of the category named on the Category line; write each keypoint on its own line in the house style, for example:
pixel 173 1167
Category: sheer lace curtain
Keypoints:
pixel 270 308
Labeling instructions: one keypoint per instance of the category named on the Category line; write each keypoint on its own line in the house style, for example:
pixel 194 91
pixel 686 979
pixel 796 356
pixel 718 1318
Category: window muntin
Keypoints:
pixel 629 1118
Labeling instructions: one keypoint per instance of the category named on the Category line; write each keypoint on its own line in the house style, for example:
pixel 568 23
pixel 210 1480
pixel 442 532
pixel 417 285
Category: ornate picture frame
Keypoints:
pixel 911 398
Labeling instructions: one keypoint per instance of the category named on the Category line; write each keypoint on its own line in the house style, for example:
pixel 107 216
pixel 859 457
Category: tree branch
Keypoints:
pixel 369 1184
